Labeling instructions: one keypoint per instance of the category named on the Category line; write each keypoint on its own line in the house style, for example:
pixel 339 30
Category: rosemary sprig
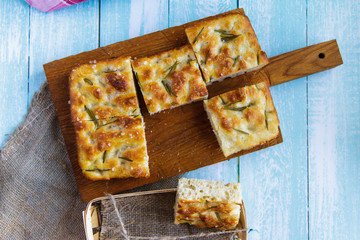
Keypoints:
pixel 107 123
pixel 171 69
pixel 104 156
pixel 97 169
pixel 109 71
pixel 168 88
pixel 133 113
pixel 239 109
pixel 222 100
pixel 241 131
pixel 206 56
pixel 197 37
pixel 126 159
pixel 88 81
pixel 226 36
pixel 92 116
pixel 266 121
pixel 236 60
pixel 221 31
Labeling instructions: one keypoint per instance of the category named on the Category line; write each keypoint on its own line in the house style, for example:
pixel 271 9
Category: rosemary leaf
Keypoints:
pixel 171 69
pixel 197 37
pixel 184 219
pixel 107 123
pixel 206 57
pixel 227 107
pixel 88 81
pixel 258 58
pixel 228 37
pixel 241 131
pixel 222 100
pixel 168 88
pixel 104 156
pixel 92 116
pixel 126 159
pixel 97 169
pixel 221 31
pixel 266 121
pixel 236 60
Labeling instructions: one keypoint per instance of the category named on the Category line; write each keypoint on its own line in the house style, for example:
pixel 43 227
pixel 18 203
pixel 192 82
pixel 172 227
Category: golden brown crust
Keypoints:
pixel 170 79
pixel 243 118
pixel 108 125
pixel 225 45
pixel 208 214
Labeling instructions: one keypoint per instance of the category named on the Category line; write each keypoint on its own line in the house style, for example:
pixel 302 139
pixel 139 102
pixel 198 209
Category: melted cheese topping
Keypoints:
pixel 107 120
pixel 170 79
pixel 243 118
pixel 225 45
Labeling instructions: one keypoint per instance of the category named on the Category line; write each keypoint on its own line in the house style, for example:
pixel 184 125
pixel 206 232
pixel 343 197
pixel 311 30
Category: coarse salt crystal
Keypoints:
pixel 69 102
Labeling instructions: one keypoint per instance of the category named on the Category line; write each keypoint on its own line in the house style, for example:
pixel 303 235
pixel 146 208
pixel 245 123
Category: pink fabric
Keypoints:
pixel 52 5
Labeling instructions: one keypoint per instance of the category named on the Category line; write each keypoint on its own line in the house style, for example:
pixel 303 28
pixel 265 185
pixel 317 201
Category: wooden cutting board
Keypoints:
pixel 181 139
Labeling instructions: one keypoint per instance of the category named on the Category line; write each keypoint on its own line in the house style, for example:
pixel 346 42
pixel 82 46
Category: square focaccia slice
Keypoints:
pixel 226 46
pixel 169 79
pixel 210 204
pixel 243 118
pixel 108 124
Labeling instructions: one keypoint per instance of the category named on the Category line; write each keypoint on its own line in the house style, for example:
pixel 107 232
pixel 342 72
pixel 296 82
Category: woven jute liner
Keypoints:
pixel 148 215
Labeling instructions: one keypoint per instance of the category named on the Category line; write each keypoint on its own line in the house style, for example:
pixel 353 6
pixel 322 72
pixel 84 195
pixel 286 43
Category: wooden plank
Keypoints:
pixel 14 38
pixel 274 180
pixel 334 123
pixel 191 118
pixel 58 34
pixel 185 11
pixel 160 143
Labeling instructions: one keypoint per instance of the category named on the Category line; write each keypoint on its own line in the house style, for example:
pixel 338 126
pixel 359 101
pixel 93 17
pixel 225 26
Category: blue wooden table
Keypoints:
pixel 305 188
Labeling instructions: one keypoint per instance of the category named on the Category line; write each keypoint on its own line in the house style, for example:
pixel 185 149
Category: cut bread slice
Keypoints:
pixel 243 118
pixel 210 204
pixel 226 46
pixel 169 79
pixel 109 128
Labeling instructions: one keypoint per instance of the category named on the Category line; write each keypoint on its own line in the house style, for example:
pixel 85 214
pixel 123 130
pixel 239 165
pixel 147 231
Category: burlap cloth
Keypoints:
pixel 39 197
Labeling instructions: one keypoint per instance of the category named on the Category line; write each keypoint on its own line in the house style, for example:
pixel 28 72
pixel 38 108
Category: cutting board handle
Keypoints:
pixel 303 62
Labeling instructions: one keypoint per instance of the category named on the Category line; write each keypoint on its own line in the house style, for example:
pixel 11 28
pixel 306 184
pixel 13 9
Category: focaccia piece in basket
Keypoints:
pixel 243 118
pixel 169 79
pixel 226 46
pixel 210 204
pixel 108 124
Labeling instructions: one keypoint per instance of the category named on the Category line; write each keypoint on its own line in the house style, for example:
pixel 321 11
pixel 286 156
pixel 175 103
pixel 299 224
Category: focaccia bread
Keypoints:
pixel 226 46
pixel 210 204
pixel 108 124
pixel 169 79
pixel 243 118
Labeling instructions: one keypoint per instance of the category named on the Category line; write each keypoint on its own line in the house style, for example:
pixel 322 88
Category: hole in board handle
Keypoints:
pixel 321 55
